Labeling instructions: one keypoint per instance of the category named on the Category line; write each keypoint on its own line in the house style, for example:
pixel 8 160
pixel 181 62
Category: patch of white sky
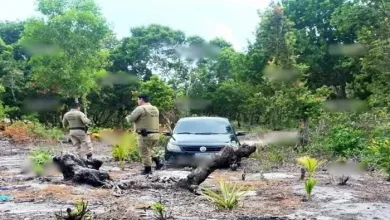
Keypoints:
pixel 233 20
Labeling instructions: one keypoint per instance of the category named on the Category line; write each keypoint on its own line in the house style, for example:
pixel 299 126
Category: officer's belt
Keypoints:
pixel 144 132
pixel 77 128
pixel 149 132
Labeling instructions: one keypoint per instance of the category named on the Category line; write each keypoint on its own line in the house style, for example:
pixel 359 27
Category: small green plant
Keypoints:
pixel 40 159
pixel 126 148
pixel 159 210
pixel 379 155
pixel 229 196
pixel 309 185
pixel 311 165
pixel 80 212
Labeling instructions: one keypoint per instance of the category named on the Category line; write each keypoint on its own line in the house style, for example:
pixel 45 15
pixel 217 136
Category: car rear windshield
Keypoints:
pixel 203 126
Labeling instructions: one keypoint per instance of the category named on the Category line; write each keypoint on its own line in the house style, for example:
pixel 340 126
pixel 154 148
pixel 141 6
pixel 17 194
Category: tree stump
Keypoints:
pixel 227 157
pixel 82 171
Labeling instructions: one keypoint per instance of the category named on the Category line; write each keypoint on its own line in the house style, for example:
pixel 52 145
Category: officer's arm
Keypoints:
pixel 134 116
pixel 64 122
pixel 84 118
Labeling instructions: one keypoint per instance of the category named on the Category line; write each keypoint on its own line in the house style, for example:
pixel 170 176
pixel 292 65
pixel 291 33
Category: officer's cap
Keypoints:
pixel 145 97
pixel 75 105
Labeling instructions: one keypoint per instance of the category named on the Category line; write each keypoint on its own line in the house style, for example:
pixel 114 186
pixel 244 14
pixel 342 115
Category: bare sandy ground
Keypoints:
pixel 275 194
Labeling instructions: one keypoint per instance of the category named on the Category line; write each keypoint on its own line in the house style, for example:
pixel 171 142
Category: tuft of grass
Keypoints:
pixel 80 212
pixel 160 212
pixel 228 197
pixel 40 158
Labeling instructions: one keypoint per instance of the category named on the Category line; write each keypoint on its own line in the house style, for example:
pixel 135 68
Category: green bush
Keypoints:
pixel 126 149
pixel 97 129
pixel 2 111
pixel 381 132
pixel 44 132
pixel 344 141
pixel 378 154
pixel 163 141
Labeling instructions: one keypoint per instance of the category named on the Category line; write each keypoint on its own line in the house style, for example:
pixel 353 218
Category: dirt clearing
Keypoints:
pixel 275 194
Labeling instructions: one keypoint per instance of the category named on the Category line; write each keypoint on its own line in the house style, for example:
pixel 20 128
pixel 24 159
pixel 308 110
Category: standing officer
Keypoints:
pixel 146 120
pixel 77 122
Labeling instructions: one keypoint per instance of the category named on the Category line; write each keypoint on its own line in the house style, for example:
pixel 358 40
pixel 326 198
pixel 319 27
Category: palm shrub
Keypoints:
pixel 228 196
pixel 309 185
pixel 311 165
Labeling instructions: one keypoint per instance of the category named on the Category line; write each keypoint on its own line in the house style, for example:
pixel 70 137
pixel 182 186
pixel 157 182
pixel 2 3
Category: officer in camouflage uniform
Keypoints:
pixel 146 116
pixel 77 122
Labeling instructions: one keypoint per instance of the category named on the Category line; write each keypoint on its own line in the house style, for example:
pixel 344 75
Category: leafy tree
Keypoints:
pixel 220 43
pixel 287 99
pixel 364 19
pixel 66 46
pixel 315 36
pixel 160 93
pixel 229 99
pixel 12 76
pixel 150 48
pixel 10 31
pixel 110 104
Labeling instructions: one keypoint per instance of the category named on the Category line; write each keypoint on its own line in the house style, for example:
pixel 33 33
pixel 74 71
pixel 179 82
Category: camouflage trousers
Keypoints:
pixel 78 138
pixel 148 149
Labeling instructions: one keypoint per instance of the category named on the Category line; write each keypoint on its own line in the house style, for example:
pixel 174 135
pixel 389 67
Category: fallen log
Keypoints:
pixel 84 171
pixel 79 170
pixel 227 157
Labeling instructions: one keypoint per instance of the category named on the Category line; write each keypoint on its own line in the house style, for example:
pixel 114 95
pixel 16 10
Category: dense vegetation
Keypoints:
pixel 318 66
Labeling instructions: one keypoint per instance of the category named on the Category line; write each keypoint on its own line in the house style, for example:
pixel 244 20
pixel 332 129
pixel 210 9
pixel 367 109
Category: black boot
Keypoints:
pixel 147 170
pixel 89 157
pixel 158 162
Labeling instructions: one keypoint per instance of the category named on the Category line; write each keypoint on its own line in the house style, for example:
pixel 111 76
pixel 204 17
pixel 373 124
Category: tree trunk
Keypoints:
pixel 227 157
pixel 80 170
pixel 304 132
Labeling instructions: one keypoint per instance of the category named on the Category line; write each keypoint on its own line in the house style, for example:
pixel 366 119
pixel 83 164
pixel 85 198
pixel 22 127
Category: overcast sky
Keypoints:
pixel 234 20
